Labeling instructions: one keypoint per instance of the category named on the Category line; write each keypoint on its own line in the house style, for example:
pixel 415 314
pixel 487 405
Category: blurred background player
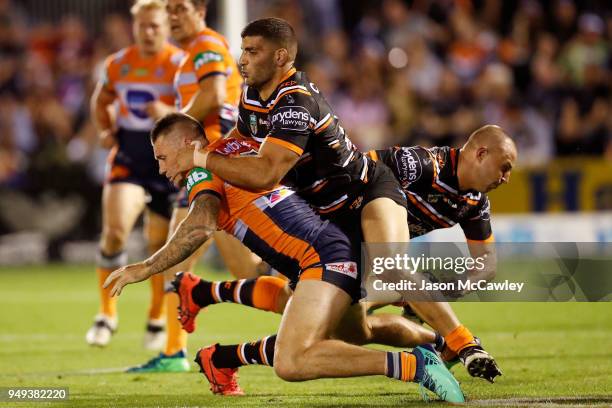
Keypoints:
pixel 133 77
pixel 208 86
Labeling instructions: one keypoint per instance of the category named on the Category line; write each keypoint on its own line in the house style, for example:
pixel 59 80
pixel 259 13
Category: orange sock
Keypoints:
pixel 156 310
pixel 176 337
pixel 266 291
pixel 459 339
pixel 108 304
pixel 401 365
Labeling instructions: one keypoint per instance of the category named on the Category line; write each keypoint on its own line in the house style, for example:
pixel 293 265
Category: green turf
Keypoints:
pixel 545 350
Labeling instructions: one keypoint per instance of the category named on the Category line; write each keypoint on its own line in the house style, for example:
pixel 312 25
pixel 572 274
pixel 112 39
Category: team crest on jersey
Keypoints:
pixel 345 268
pixel 253 123
pixel 197 176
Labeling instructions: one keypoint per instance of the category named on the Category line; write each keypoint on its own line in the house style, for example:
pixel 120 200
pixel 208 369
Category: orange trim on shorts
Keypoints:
pixel 312 274
pixel 373 155
pixel 334 208
pixel 483 241
pixel 266 229
pixel 287 145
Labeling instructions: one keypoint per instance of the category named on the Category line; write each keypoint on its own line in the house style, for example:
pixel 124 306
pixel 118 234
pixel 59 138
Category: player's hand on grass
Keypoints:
pixel 126 275
pixel 107 138
pixel 199 155
pixel 158 109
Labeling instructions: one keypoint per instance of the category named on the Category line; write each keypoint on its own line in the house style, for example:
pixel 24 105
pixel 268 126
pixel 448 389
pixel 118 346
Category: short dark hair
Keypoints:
pixel 168 122
pixel 273 29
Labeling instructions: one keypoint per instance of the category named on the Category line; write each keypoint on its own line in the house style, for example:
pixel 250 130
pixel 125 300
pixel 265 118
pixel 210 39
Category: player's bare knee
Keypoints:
pixel 287 370
pixel 113 239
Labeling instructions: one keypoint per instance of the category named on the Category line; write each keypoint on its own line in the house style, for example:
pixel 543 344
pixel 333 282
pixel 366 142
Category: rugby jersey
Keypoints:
pixel 208 55
pixel 428 176
pixel 330 169
pixel 137 81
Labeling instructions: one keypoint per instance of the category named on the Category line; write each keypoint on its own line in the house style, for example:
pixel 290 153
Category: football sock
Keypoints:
pixel 156 310
pixel 236 355
pixel 176 339
pixel 106 265
pixel 402 366
pixel 260 293
pixel 439 342
pixel 459 339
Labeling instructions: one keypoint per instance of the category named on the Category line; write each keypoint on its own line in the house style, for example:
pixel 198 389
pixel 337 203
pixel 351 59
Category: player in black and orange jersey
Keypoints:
pixel 133 78
pixel 208 87
pixel 314 254
pixel 446 186
pixel 305 147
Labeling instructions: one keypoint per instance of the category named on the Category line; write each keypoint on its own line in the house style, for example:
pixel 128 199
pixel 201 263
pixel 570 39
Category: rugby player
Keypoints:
pixel 446 186
pixel 133 77
pixel 208 85
pixel 304 146
pixel 315 255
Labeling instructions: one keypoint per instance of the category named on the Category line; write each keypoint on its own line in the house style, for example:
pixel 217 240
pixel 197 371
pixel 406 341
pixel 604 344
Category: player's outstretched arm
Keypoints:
pixel 485 252
pixel 196 229
pixel 261 172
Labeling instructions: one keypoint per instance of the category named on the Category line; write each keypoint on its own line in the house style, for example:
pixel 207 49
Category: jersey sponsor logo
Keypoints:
pixel 291 118
pixel 253 123
pixel 357 203
pixel 277 196
pixel 197 176
pixel 409 165
pixel 141 72
pixel 124 70
pixel 206 57
pixel 137 100
pixel 345 268
pixel 236 147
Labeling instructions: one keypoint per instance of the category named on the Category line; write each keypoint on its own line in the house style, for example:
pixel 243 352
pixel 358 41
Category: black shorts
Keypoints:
pixel 132 161
pixel 382 184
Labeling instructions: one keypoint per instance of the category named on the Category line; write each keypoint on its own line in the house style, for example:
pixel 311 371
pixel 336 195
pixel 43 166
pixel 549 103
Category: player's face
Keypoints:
pixel 174 155
pixel 185 19
pixel 493 168
pixel 257 61
pixel 150 30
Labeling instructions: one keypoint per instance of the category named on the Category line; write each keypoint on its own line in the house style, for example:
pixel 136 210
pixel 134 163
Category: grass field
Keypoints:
pixel 549 352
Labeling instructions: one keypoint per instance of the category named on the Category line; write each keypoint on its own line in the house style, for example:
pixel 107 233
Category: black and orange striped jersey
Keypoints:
pixel 428 176
pixel 330 171
pixel 278 225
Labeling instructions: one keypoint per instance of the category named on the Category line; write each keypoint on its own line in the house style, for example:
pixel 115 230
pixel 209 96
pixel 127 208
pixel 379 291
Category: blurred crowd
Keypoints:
pixel 396 72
